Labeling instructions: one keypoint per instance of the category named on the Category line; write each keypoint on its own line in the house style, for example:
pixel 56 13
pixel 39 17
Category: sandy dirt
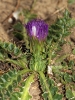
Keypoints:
pixel 48 10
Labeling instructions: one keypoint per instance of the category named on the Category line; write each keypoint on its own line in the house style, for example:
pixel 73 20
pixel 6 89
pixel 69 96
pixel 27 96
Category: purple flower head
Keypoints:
pixel 37 29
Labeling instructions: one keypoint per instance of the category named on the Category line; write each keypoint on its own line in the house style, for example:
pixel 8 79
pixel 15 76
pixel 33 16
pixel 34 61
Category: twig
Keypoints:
pixel 54 13
pixel 17 6
pixel 9 16
pixel 57 11
pixel 33 3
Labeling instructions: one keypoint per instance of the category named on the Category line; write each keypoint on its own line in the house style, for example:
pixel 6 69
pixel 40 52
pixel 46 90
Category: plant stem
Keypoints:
pixel 25 95
pixel 46 85
pixel 25 71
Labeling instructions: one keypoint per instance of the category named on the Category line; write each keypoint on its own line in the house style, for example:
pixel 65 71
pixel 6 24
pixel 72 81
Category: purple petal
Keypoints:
pixel 37 29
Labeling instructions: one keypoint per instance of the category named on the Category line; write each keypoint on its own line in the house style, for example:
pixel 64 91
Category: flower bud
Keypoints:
pixel 37 29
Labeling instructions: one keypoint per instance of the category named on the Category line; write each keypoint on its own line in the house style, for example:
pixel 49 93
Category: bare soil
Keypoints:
pixel 48 10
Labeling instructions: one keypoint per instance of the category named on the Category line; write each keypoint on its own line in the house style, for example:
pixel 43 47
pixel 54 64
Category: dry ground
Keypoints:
pixel 48 10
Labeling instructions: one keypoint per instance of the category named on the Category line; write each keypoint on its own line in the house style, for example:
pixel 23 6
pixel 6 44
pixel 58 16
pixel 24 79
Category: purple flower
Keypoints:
pixel 37 29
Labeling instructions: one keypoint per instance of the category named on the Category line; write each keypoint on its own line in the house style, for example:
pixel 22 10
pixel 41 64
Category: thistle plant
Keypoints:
pixel 37 31
pixel 43 43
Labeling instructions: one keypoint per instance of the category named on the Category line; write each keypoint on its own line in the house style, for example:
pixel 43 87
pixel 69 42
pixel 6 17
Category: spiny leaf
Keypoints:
pixel 61 27
pixel 69 94
pixel 6 83
pixel 20 61
pixel 45 87
pixel 25 95
pixel 10 88
pixel 7 79
pixel 67 77
pixel 10 48
pixel 49 90
pixel 18 26
pixel 28 16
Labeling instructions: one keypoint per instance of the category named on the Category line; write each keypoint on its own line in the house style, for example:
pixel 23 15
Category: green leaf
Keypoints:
pixel 16 51
pixel 10 48
pixel 28 15
pixel 47 93
pixel 67 77
pixel 18 30
pixel 49 90
pixel 2 56
pixel 13 97
pixel 69 94
pixel 60 59
pixel 18 35
pixel 22 62
pixel 18 26
pixel 71 1
pixel 53 90
pixel 57 97
pixel 61 28
pixel 73 51
pixel 8 78
pixel 10 86
pixel 73 93
pixel 25 95
pixel 73 78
